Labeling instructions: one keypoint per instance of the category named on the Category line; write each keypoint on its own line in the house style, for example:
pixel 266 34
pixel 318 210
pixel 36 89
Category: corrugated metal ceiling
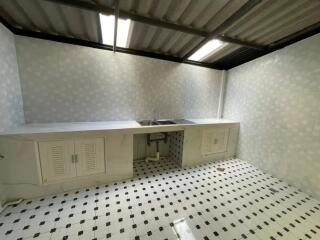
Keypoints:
pixel 266 23
pixel 273 20
pixel 203 14
pixel 43 16
pixel 161 40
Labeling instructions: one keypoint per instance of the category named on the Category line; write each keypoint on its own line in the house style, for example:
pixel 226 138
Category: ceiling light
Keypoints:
pixel 107 30
pixel 206 50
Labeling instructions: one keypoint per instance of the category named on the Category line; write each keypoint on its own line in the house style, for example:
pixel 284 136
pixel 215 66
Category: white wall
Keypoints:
pixel 276 98
pixel 10 92
pixel 63 82
pixel 11 113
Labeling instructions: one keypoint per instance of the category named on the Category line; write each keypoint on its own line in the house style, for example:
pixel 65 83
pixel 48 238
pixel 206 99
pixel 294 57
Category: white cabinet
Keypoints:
pixel 67 159
pixel 214 140
pixel 56 160
pixel 90 156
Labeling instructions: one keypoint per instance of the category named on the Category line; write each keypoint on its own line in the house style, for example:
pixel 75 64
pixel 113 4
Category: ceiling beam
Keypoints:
pixel 75 41
pixel 116 18
pixel 297 36
pixel 242 43
pixel 6 23
pixel 132 16
pixel 225 25
pixel 99 32
pixel 152 21
pixel 305 33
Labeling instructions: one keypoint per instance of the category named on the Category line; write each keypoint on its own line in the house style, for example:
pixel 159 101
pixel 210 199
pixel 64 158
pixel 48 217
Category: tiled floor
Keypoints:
pixel 240 202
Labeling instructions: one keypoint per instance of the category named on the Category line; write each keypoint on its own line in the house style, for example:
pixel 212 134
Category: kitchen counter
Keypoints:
pixel 30 151
pixel 45 128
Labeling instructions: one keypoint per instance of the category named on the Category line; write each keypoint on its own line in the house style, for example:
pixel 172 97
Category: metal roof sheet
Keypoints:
pixel 266 23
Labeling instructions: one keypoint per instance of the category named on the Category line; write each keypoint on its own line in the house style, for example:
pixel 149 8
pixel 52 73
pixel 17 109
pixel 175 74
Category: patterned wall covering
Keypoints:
pixel 277 100
pixel 11 112
pixel 62 82
pixel 176 147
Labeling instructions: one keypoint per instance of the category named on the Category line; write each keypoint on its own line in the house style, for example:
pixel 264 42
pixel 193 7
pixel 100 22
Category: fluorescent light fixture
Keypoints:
pixel 206 50
pixel 107 30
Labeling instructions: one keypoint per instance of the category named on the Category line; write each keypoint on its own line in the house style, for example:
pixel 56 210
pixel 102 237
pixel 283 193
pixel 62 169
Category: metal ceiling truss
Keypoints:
pixel 81 42
pixel 116 18
pixel 154 22
pixel 75 41
pixel 297 36
pixel 224 26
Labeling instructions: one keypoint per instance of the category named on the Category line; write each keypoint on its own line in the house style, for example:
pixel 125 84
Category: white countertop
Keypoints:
pixel 210 120
pixel 99 126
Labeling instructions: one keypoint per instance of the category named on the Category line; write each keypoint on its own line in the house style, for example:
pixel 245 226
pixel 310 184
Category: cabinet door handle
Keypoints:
pixel 74 158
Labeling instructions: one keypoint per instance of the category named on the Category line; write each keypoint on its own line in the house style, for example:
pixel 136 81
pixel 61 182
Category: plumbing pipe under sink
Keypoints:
pixel 157 138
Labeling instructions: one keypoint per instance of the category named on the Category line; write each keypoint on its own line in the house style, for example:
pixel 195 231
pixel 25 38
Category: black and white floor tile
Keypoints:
pixel 223 200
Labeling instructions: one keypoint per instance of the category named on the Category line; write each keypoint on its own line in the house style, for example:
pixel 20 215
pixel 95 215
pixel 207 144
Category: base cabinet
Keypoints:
pixel 48 164
pixel 57 160
pixel 214 140
pixel 202 144
pixel 89 156
pixel 68 159
pixel 42 164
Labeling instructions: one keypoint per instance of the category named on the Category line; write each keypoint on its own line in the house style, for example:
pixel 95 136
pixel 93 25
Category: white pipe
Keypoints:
pixel 2 208
pixel 222 92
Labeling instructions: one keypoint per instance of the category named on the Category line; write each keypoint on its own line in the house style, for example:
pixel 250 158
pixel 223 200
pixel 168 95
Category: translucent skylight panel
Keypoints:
pixel 206 50
pixel 107 30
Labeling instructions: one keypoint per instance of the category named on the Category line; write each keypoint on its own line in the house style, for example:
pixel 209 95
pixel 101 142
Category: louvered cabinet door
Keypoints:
pixel 56 160
pixel 214 140
pixel 90 156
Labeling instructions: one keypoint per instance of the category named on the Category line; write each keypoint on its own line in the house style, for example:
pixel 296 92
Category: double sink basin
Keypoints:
pixel 164 122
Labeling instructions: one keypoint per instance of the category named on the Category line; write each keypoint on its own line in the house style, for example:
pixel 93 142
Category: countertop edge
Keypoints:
pixel 58 128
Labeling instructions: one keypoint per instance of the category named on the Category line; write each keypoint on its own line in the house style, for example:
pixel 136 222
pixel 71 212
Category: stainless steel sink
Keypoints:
pixel 155 122
pixel 163 122
pixel 147 123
